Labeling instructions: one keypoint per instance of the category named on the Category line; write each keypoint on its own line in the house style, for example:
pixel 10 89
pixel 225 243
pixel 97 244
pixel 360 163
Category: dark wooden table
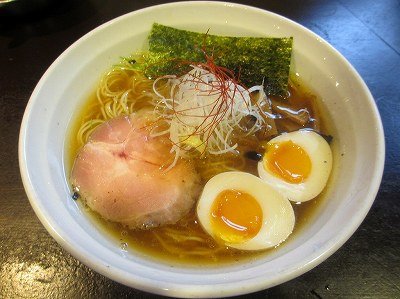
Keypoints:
pixel 33 265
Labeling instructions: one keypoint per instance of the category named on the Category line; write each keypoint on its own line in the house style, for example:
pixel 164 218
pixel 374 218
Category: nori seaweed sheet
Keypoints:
pixel 255 60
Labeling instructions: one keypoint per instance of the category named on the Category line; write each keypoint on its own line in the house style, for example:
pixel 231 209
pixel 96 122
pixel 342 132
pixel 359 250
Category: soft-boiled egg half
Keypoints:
pixel 297 164
pixel 242 211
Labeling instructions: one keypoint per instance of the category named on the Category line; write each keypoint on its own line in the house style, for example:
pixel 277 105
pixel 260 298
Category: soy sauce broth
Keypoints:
pixel 156 244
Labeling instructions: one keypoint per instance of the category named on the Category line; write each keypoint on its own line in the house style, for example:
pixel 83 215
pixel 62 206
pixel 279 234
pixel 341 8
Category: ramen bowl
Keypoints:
pixel 358 156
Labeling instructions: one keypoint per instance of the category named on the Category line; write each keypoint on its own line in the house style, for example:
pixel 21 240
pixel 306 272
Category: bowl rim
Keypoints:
pixel 194 290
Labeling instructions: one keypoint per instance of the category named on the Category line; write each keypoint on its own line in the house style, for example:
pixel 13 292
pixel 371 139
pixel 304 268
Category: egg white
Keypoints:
pixel 320 155
pixel 278 215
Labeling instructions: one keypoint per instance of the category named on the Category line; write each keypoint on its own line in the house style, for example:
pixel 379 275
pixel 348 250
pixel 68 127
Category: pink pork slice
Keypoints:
pixel 120 173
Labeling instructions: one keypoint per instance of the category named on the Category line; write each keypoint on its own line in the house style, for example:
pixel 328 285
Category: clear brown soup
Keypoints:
pixel 186 242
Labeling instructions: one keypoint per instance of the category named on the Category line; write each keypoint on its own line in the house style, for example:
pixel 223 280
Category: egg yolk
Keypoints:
pixel 288 161
pixel 236 216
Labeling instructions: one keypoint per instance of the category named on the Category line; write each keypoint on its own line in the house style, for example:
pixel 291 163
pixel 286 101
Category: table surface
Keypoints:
pixel 33 265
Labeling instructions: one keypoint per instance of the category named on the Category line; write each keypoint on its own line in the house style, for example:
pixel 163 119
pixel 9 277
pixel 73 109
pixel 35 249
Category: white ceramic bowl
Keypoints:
pixel 357 125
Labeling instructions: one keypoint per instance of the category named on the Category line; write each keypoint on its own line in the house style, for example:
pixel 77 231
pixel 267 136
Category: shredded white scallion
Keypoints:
pixel 203 110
